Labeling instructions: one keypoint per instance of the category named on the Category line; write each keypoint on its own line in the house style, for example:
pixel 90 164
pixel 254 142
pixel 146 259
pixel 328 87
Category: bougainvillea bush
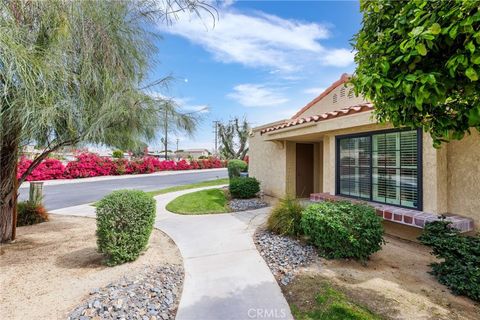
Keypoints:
pixel 49 169
pixel 92 165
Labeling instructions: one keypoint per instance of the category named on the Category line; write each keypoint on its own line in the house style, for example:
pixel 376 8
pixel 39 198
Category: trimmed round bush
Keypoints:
pixel 343 229
pixel 286 216
pixel 235 167
pixel 244 188
pixel 124 224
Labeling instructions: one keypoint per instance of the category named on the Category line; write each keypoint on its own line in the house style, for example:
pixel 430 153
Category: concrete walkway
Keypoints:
pixel 225 276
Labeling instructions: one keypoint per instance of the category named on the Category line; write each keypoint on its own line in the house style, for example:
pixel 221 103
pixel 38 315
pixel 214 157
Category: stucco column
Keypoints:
pixel 435 177
pixel 291 165
pixel 329 164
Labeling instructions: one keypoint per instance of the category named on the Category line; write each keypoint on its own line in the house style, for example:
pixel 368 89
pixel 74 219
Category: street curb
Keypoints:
pixel 130 176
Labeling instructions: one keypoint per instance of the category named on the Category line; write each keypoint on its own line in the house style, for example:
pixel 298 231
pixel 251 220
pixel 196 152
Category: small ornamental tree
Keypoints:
pixel 419 63
pixel 75 72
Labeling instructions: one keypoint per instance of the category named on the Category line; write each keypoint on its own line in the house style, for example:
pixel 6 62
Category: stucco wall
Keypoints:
pixel 268 164
pixel 464 177
pixel 327 103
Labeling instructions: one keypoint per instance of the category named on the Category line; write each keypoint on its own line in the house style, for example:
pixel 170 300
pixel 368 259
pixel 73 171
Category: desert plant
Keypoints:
pixel 124 224
pixel 235 167
pixel 460 268
pixel 343 229
pixel 244 188
pixel 29 213
pixel 286 216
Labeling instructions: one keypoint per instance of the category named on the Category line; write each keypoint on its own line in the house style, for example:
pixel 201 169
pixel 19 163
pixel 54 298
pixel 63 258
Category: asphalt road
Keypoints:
pixel 66 195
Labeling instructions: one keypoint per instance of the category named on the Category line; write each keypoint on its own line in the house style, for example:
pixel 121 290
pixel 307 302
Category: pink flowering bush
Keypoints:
pixel 91 165
pixel 183 165
pixel 49 169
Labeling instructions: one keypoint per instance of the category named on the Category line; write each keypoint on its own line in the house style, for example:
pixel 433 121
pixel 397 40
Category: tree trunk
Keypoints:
pixel 8 189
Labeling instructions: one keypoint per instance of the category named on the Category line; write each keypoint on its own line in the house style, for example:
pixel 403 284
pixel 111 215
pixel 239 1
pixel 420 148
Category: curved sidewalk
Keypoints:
pixel 225 276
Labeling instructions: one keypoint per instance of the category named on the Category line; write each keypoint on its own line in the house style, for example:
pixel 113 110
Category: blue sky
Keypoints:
pixel 263 60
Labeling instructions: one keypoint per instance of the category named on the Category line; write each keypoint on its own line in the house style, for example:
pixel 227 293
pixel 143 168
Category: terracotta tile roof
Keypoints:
pixel 343 79
pixel 363 107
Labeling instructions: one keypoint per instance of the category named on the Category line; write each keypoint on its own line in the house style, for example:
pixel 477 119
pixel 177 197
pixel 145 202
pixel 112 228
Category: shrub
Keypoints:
pixel 89 165
pixel 460 268
pixel 117 154
pixel 124 224
pixel 286 216
pixel 29 213
pixel 343 229
pixel 48 169
pixel 235 167
pixel 244 188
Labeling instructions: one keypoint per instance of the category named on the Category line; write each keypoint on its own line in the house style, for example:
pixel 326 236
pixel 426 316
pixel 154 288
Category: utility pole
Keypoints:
pixel 215 128
pixel 177 144
pixel 166 133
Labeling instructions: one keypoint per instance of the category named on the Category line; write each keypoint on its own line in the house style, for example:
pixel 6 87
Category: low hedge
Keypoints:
pixel 460 268
pixel 244 188
pixel 343 229
pixel 235 167
pixel 124 223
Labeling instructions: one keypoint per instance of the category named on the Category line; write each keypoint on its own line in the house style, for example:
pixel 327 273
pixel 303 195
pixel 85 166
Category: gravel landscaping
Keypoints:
pixel 246 204
pixel 284 255
pixel 150 295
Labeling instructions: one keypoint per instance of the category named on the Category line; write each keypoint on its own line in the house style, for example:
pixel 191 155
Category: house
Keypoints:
pixel 332 149
pixel 192 153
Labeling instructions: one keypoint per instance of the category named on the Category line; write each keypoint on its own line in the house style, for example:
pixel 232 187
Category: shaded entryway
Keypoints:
pixel 304 179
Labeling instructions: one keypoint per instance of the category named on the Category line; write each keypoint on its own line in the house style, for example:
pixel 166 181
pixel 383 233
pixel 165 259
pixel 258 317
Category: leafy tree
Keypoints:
pixel 74 72
pixel 419 63
pixel 234 138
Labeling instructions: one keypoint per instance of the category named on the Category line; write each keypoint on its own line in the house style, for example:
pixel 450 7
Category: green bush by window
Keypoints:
pixel 29 213
pixel 460 268
pixel 286 216
pixel 343 229
pixel 124 224
pixel 235 167
pixel 244 188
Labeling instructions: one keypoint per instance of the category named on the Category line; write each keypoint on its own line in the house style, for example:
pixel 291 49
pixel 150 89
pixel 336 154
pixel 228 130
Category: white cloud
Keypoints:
pixel 337 57
pixel 260 40
pixel 203 108
pixel 256 95
pixel 314 91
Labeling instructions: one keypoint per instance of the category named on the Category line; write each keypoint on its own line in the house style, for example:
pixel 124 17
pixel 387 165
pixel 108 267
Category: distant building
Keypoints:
pixel 192 153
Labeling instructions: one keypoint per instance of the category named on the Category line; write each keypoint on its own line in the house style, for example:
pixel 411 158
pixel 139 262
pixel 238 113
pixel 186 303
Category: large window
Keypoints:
pixel 380 166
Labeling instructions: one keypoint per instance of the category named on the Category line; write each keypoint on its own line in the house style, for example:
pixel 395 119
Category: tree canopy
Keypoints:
pixel 77 71
pixel 234 138
pixel 419 63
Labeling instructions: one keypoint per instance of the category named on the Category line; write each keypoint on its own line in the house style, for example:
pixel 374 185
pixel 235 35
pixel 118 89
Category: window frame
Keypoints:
pixel 369 134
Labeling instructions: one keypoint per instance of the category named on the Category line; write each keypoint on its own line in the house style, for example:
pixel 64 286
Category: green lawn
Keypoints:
pixel 331 304
pixel 200 202
pixel 208 183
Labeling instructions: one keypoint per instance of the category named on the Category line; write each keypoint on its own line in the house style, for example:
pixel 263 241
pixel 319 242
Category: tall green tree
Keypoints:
pixel 233 138
pixel 75 72
pixel 419 63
